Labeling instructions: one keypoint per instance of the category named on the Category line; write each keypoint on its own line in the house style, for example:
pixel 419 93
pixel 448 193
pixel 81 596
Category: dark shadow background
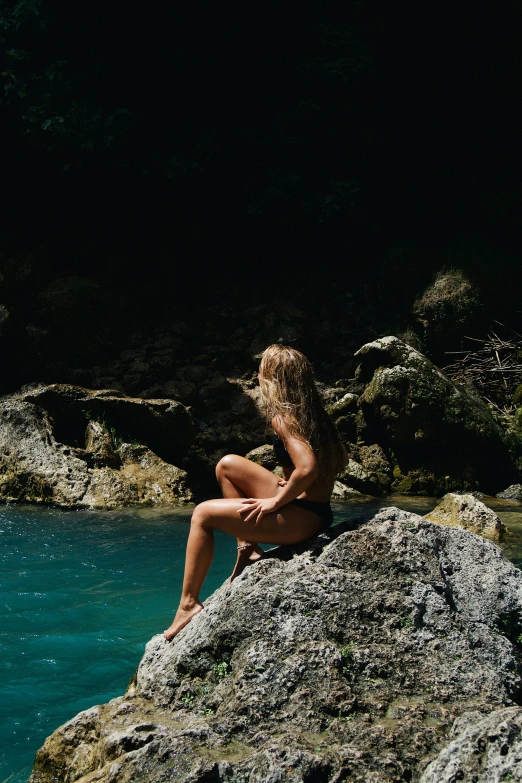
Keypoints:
pixel 188 155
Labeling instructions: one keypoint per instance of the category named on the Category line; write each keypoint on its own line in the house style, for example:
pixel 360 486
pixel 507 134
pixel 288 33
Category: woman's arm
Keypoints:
pixel 304 473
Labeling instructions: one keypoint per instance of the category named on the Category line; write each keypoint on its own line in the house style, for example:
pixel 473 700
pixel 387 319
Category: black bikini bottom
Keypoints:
pixel 323 510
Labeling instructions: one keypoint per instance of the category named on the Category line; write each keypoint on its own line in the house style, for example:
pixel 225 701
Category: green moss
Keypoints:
pixel 517 396
pixel 518 420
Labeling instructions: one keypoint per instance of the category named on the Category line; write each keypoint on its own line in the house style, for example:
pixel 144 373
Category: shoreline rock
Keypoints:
pixel 514 492
pixel 469 513
pixel 65 446
pixel 348 657
pixel 408 430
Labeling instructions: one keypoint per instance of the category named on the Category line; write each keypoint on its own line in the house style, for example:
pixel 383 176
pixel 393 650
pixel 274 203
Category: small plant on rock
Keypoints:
pixel 222 669
pixel 347 657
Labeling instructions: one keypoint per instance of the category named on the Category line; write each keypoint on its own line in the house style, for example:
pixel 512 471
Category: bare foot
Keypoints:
pixel 181 619
pixel 245 557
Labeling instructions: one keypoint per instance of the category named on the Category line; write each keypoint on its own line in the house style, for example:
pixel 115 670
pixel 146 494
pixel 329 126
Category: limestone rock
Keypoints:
pixel 143 479
pixel 377 465
pixel 165 426
pixel 264 456
pixel 342 492
pixel 53 459
pixel 448 309
pixel 410 407
pixel 348 657
pixel 356 477
pixel 184 391
pixel 347 404
pixel 467 512
pixel 514 492
pixel 483 749
pixel 34 467
pixel 98 443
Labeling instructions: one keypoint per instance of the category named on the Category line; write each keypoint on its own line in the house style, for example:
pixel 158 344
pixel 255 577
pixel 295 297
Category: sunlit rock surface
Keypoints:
pixel 77 448
pixel 468 512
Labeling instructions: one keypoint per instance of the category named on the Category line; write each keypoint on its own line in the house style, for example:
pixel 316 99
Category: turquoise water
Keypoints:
pixel 81 593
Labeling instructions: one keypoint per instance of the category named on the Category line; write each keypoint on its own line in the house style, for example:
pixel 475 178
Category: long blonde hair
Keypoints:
pixel 288 388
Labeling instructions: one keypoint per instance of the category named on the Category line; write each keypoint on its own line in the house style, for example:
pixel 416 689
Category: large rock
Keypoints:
pixel 441 437
pixel 356 477
pixel 482 749
pixel 34 467
pixel 71 462
pixel 142 479
pixel 514 492
pixel 347 660
pixel 165 426
pixel 448 309
pixel 467 512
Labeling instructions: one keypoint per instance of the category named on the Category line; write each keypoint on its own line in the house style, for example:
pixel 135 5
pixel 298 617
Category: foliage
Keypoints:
pixel 450 296
pixel 45 96
pixel 222 669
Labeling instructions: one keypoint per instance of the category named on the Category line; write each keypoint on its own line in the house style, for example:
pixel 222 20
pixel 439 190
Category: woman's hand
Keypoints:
pixel 256 508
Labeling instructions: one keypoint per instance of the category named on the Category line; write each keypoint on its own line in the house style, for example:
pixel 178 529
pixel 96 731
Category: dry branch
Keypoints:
pixel 495 369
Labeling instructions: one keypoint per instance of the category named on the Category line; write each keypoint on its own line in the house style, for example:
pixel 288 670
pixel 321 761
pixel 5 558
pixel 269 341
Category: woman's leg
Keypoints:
pixel 288 526
pixel 240 478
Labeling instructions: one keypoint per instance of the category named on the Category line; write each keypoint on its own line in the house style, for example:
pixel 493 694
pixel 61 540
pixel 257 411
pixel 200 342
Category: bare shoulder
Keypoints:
pixel 279 426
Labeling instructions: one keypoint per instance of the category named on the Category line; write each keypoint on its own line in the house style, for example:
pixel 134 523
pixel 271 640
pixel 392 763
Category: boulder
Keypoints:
pixel 448 309
pixel 413 411
pixel 347 404
pixel 356 477
pixel 467 512
pixel 483 749
pixel 96 470
pixel 377 465
pixel 348 657
pixel 514 492
pixel 264 456
pixel 342 492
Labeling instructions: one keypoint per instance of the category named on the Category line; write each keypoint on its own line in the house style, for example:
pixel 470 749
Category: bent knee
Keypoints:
pixel 228 464
pixel 205 513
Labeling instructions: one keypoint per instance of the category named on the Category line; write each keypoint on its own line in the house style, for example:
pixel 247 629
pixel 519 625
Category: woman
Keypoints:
pixel 258 507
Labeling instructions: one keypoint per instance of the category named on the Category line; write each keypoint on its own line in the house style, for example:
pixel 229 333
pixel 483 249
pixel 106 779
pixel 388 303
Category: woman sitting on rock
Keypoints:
pixel 258 507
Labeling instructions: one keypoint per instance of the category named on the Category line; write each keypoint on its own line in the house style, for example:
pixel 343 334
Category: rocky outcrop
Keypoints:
pixel 436 434
pixel 514 492
pixel 467 512
pixel 69 446
pixel 408 428
pixel 165 426
pixel 447 310
pixel 482 749
pixel 343 659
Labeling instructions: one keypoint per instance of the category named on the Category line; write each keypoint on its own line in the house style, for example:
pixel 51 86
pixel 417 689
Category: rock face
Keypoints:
pixel 514 492
pixel 165 426
pixel 438 436
pixel 467 512
pixel 483 749
pixel 347 660
pixel 65 445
